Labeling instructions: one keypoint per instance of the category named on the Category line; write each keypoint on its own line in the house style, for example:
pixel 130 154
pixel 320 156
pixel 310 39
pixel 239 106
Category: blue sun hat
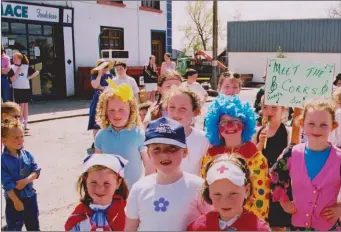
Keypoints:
pixel 233 107
pixel 166 131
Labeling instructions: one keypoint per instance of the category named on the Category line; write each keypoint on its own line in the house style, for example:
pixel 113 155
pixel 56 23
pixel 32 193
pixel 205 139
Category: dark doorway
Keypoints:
pixel 158 44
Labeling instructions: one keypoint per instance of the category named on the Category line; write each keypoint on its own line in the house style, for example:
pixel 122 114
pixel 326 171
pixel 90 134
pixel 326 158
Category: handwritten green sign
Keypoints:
pixel 291 82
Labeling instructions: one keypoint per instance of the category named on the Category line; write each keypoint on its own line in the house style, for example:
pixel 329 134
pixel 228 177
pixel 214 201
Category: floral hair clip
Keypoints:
pixel 124 91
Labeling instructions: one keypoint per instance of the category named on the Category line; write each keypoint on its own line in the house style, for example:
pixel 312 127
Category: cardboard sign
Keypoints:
pixel 291 82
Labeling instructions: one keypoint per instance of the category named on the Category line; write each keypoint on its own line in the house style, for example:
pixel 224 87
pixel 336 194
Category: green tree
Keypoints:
pixel 199 30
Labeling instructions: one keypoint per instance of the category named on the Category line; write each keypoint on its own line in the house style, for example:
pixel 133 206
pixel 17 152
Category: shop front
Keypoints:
pixel 45 35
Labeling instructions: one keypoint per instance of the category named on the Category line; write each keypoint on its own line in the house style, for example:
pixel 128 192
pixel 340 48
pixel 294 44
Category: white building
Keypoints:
pixel 60 36
pixel 251 43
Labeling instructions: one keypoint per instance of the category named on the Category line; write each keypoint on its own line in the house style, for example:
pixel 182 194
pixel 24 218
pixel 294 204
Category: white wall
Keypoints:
pixel 90 16
pixel 255 62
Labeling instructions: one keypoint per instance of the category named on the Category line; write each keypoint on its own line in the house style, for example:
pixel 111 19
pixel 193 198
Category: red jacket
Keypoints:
pixel 115 214
pixel 246 222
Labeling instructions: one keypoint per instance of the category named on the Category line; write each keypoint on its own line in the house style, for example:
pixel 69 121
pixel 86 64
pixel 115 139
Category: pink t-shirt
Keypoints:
pixel 5 61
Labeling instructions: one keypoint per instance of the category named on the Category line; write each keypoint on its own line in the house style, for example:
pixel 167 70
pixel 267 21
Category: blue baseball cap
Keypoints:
pixel 165 131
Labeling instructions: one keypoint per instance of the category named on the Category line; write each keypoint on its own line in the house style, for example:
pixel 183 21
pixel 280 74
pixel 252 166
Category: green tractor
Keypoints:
pixel 204 68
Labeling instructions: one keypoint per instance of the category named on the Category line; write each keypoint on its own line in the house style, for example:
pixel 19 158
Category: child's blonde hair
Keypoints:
pixel 320 104
pixel 195 100
pixel 101 110
pixel 9 108
pixel 8 124
pixel 83 191
pixel 337 95
pixel 230 76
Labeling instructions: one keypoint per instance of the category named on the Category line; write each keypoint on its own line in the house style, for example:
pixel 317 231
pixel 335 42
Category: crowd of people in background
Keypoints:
pixel 153 170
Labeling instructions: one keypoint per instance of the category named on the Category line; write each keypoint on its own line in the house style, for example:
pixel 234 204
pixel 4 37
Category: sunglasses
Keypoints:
pixel 228 74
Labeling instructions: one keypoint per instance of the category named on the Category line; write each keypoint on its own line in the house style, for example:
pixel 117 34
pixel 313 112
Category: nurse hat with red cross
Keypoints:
pixel 225 168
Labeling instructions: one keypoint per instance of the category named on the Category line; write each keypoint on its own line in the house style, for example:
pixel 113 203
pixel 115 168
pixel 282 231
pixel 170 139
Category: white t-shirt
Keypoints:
pixel 169 207
pixel 335 136
pixel 196 88
pixel 128 80
pixel 22 81
pixel 197 145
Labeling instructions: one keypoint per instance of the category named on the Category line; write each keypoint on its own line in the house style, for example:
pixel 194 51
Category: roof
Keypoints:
pixel 295 35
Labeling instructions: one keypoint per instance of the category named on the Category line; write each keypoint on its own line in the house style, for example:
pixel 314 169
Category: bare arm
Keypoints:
pixel 131 224
pixel 5 70
pixel 16 74
pixel 162 67
pixel 36 73
pixel 96 83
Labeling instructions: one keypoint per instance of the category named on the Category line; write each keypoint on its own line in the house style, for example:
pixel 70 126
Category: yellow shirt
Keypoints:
pixel 258 202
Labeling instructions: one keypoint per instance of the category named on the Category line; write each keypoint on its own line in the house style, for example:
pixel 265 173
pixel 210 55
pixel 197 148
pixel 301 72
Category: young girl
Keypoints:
pixel 18 171
pixel 182 105
pixel 271 140
pixel 230 124
pixel 313 169
pixel 121 131
pixel 230 83
pixel 99 75
pixel 192 75
pixel 21 74
pixel 227 188
pixel 168 200
pixel 150 75
pixel 103 193
pixel 335 136
pixel 166 81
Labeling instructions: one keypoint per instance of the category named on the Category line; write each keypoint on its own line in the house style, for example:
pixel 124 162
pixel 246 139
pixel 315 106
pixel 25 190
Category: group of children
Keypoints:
pixel 164 174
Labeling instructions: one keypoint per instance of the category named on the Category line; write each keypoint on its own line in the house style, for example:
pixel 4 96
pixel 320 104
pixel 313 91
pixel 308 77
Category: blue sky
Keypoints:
pixel 252 10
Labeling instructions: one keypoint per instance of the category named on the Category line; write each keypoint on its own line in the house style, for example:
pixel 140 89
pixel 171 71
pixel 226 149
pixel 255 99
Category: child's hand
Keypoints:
pixel 288 207
pixel 18 205
pixel 332 213
pixel 21 184
pixel 263 135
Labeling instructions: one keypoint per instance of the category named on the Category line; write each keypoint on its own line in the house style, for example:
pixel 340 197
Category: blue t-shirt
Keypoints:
pixel 315 160
pixel 126 143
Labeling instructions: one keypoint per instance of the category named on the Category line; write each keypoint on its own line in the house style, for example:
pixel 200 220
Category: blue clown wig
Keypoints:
pixel 233 107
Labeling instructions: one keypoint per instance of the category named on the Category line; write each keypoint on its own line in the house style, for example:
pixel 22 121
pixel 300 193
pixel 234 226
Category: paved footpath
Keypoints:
pixel 59 146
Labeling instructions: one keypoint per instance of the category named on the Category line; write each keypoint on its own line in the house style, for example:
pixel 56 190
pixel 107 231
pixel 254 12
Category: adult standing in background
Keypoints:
pixel 122 77
pixel 6 91
pixel 150 78
pixel 168 64
pixel 99 76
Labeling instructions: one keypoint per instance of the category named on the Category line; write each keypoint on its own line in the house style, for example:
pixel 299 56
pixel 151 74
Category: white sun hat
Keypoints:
pixel 113 162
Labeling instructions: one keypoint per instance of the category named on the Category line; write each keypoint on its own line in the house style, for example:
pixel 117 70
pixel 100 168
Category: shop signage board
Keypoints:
pixel 29 12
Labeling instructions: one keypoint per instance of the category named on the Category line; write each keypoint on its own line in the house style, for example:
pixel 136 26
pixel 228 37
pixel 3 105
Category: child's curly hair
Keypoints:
pixel 195 100
pixel 83 191
pixel 8 124
pixel 234 107
pixel 101 110
pixel 235 159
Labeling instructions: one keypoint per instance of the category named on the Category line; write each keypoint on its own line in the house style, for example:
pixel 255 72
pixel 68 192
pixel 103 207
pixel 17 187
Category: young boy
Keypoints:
pixel 18 171
pixel 143 109
pixel 192 75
